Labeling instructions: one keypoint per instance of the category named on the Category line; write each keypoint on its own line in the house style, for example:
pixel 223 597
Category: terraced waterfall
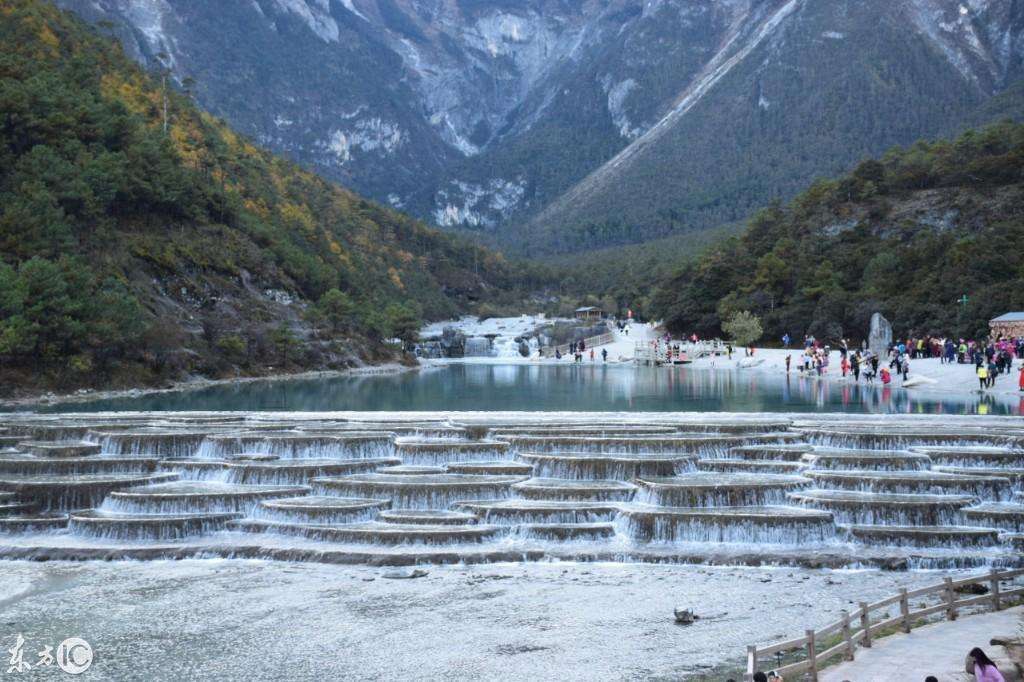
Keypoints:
pixel 393 489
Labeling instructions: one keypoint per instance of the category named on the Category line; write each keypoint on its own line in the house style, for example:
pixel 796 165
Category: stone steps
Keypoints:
pixel 156 442
pixel 566 532
pixel 1015 475
pixel 889 436
pixel 195 496
pixel 412 470
pixel 710 489
pixel 972 456
pixel 109 525
pixel 436 491
pixel 750 466
pixel 562 489
pixel 742 524
pixel 300 471
pixel 319 510
pixel 490 468
pixel 352 445
pixel 196 469
pixel 622 466
pixel 1002 515
pixel 569 430
pixel 435 453
pixel 31 465
pixel 985 487
pixel 75 491
pixel 864 508
pixel 515 512
pixel 32 522
pixel 55 449
pixel 702 443
pixel 378 533
pixel 790 453
pixel 428 517
pixel 924 536
pixel 11 507
pixel 833 459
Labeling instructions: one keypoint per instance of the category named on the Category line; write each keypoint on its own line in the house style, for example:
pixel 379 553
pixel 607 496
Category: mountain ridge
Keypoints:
pixel 496 118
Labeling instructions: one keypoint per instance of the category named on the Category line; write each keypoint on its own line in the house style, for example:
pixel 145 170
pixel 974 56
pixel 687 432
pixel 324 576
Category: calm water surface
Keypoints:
pixel 568 387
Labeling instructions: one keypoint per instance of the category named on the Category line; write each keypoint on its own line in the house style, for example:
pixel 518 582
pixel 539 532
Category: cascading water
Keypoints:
pixel 478 347
pixel 514 484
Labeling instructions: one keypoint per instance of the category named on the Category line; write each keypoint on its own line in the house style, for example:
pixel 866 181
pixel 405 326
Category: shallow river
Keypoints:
pixel 567 387
pixel 253 620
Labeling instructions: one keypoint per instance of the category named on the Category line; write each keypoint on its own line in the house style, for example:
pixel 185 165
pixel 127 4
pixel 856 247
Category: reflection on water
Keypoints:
pixel 565 387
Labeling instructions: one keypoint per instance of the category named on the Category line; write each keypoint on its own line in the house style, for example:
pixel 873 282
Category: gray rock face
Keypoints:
pixel 453 342
pixel 483 114
pixel 880 335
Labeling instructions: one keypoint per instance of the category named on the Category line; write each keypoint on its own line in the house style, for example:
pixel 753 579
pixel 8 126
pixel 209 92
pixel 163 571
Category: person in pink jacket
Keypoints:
pixel 982 667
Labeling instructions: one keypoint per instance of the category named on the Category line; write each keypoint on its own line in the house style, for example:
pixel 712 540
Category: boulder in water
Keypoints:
pixel 403 575
pixel 880 335
pixel 524 349
pixel 453 342
pixel 685 616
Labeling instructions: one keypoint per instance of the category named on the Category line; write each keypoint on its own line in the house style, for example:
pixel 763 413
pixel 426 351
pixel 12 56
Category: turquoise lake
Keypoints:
pixel 494 387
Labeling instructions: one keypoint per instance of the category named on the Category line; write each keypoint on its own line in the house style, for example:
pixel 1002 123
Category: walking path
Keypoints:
pixel 937 649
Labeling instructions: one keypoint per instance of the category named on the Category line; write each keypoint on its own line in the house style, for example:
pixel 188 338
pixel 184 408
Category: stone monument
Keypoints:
pixel 880 336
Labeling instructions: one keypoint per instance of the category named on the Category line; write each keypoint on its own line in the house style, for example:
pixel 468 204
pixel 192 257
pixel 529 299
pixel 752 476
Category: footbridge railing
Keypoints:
pixel 591 342
pixel 861 626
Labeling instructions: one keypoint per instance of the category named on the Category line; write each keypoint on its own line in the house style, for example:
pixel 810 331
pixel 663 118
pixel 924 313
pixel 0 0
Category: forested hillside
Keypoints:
pixel 142 240
pixel 908 235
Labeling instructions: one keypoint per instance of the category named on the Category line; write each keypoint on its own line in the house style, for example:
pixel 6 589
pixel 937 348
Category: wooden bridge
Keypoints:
pixel 591 342
pixel 649 353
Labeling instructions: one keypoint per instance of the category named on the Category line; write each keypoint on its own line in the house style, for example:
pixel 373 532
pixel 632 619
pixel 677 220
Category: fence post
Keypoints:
pixel 950 598
pixel 846 636
pixel 905 609
pixel 751 663
pixel 993 586
pixel 812 656
pixel 865 622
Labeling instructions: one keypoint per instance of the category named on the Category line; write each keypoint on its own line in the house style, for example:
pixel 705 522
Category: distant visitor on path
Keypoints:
pixel 982 667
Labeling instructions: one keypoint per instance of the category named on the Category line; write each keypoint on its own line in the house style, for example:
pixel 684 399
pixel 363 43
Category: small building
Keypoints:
pixel 589 313
pixel 1010 324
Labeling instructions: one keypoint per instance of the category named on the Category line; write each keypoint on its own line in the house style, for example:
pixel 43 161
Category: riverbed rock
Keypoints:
pixel 685 616
pixel 406 575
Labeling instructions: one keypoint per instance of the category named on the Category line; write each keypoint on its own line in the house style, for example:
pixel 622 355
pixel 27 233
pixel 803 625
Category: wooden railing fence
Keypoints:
pixel 860 627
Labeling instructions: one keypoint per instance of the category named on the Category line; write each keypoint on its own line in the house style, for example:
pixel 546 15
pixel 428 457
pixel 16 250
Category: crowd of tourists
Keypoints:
pixel 991 359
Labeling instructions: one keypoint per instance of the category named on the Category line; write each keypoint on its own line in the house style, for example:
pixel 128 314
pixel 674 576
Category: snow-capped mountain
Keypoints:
pixel 586 121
